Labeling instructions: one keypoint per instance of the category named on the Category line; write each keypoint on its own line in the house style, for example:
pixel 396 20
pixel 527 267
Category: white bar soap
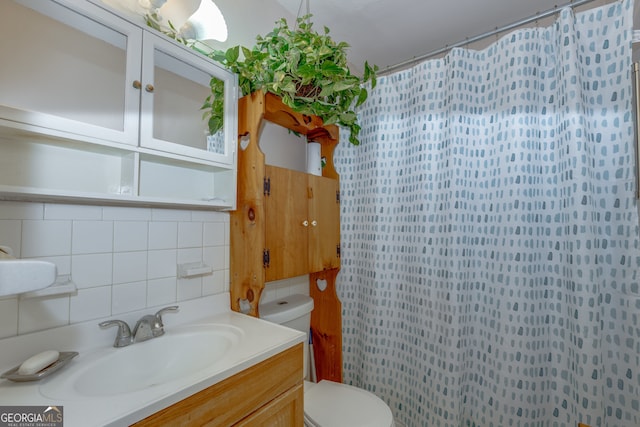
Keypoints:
pixel 38 362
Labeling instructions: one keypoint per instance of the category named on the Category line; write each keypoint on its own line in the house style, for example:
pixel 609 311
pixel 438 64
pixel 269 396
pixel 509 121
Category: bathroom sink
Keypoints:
pixel 180 354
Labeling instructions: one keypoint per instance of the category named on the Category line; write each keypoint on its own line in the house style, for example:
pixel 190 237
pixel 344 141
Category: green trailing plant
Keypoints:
pixel 306 69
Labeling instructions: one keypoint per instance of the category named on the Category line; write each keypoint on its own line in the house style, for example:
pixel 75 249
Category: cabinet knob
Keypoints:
pixel 305 223
pixel 137 84
pixel 149 88
pixel 314 223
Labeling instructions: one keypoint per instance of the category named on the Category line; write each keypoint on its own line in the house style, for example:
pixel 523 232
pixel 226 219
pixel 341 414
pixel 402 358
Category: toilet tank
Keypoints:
pixel 293 311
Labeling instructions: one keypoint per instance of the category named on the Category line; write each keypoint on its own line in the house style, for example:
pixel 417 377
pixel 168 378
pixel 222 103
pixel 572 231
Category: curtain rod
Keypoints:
pixel 467 41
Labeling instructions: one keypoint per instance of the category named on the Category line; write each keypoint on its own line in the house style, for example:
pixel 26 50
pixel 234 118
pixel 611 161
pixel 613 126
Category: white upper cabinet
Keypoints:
pixel 174 87
pixel 67 72
pixel 95 107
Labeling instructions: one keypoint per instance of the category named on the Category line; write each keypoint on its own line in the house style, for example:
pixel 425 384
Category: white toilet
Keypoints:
pixel 327 403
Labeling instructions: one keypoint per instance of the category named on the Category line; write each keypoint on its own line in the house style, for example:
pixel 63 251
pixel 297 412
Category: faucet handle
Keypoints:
pixel 123 337
pixel 166 309
pixel 158 327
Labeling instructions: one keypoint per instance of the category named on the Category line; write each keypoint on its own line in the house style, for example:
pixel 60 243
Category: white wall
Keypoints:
pixel 121 259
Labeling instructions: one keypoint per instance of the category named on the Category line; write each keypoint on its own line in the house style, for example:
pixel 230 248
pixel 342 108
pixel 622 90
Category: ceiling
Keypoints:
pixel 388 32
pixel 382 32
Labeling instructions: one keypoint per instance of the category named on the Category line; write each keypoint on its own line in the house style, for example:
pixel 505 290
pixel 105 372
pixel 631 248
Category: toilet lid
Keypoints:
pixel 330 404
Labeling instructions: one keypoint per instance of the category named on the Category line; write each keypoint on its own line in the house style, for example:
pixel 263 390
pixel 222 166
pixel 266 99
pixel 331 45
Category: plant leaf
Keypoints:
pixel 342 85
pixel 330 68
pixel 362 97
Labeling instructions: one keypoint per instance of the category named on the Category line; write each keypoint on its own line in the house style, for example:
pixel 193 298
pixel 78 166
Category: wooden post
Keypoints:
pixel 247 221
pixel 326 326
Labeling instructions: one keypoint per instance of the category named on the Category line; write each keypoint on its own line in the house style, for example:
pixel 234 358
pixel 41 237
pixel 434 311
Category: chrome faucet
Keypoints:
pixel 149 326
pixel 123 337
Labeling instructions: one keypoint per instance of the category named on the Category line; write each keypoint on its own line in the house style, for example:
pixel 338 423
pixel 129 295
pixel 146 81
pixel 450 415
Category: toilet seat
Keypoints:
pixel 331 404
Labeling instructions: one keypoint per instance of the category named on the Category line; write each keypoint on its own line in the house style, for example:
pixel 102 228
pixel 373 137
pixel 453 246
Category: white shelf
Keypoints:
pixel 62 286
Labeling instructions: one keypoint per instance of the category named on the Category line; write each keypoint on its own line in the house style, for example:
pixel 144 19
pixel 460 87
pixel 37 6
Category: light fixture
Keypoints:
pixel 175 11
pixel 195 19
pixel 207 23
pixel 152 4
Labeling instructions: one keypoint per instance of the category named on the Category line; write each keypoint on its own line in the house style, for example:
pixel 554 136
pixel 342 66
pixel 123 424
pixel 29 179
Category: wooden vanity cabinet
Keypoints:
pixel 287 224
pixel 267 394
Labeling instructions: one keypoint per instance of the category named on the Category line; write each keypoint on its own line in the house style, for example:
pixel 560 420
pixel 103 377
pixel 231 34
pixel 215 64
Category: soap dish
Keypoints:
pixel 63 359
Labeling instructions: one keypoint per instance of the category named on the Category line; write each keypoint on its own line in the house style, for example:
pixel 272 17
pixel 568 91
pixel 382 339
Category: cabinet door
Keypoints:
pixel 286 223
pixel 324 219
pixel 69 70
pixel 286 410
pixel 175 85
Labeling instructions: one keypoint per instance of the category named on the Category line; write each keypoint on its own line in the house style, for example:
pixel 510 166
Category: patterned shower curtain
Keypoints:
pixel 490 233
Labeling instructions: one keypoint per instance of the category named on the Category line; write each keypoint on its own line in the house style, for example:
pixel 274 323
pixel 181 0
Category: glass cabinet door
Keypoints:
pixel 175 86
pixel 68 70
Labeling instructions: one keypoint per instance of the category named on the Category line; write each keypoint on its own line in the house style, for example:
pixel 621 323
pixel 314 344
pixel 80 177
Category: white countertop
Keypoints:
pixel 259 341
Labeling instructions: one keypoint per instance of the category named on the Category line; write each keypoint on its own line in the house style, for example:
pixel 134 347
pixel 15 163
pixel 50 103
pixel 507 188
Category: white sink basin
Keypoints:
pixel 179 355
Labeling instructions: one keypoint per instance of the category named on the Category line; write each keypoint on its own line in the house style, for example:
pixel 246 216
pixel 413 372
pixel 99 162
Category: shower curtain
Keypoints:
pixel 490 234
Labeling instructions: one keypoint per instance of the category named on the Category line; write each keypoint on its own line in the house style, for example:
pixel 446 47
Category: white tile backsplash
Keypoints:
pixel 163 235
pixel 189 255
pixel 33 313
pixel 189 288
pixel 8 317
pixel 130 236
pixel 22 210
pixel 190 234
pixel 214 234
pixel 92 303
pixel 161 291
pixel 170 215
pixel 45 238
pixel 161 264
pixel 207 216
pixel 75 212
pixel 89 271
pixel 214 283
pixel 128 297
pixel 11 232
pixel 215 257
pixel 90 237
pixel 122 259
pixel 129 267
pixel 126 214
